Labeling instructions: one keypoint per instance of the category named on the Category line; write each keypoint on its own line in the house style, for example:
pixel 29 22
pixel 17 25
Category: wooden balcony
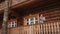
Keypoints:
pixel 14 3
pixel 46 28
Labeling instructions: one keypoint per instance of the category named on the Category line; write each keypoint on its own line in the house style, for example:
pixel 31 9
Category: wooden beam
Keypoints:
pixel 5 17
pixel 22 4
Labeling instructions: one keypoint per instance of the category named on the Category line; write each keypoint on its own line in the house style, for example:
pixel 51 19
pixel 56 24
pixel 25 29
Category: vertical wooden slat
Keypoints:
pixel 58 27
pixel 55 27
pixel 52 27
pixel 44 28
pixel 0 31
pixel 49 29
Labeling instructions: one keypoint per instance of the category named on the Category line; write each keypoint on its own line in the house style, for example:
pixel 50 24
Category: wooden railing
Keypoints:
pixel 31 29
pixel 46 28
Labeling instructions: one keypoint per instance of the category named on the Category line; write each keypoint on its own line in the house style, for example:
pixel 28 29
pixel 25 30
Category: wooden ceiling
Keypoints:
pixel 37 5
pixel 32 2
pixel 1 1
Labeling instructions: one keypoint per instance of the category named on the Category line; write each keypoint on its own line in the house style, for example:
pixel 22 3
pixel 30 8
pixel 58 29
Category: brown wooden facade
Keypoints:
pixel 24 9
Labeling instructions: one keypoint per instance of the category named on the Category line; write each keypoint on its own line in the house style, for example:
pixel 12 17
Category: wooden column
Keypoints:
pixel 5 18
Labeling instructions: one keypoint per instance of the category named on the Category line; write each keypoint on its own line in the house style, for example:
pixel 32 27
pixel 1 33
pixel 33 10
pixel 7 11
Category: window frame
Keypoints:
pixel 31 16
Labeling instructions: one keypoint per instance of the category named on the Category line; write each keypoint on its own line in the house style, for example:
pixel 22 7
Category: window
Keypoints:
pixel 12 24
pixel 32 20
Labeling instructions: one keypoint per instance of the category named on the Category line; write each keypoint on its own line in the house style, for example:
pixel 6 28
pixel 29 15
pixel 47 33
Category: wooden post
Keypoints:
pixel 5 17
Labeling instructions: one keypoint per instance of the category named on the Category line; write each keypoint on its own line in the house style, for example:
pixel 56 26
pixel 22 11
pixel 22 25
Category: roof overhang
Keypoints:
pixel 23 4
pixel 18 5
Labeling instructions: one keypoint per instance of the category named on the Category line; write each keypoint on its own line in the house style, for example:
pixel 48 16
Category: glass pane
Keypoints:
pixel 27 19
pixel 27 23
pixel 32 22
pixel 36 18
pixel 32 19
